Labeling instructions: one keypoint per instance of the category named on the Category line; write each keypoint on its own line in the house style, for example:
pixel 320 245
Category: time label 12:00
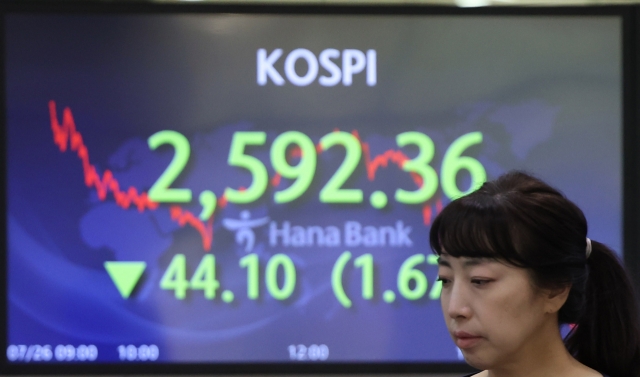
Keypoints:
pixel 296 144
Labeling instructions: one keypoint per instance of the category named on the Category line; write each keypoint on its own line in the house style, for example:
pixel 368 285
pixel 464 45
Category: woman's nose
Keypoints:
pixel 458 303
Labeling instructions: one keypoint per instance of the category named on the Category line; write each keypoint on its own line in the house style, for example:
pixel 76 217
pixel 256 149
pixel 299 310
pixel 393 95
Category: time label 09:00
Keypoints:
pixel 39 353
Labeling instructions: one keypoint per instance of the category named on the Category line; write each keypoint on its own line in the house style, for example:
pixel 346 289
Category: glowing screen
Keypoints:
pixel 259 188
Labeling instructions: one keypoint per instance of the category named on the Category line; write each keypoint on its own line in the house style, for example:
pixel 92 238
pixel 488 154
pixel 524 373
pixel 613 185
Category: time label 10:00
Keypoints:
pixel 280 278
pixel 142 353
pixel 303 172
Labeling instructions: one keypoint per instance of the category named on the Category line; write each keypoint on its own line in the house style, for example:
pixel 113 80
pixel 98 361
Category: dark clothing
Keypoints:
pixel 469 375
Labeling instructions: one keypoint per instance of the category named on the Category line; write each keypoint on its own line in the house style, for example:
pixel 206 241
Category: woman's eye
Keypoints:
pixel 480 282
pixel 443 280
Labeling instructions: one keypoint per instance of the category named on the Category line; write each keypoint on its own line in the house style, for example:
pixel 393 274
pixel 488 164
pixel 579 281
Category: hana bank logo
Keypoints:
pixel 244 229
pixel 340 66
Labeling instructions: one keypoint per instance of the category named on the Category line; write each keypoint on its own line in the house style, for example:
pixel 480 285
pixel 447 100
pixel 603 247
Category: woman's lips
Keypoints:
pixel 466 340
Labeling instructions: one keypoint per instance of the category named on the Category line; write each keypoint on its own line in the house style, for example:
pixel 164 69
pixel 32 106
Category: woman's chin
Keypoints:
pixel 476 361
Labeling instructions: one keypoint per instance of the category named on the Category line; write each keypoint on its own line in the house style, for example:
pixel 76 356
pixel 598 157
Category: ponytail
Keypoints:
pixel 525 222
pixel 607 335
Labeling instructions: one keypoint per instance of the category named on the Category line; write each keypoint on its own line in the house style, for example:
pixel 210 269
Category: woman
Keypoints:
pixel 515 263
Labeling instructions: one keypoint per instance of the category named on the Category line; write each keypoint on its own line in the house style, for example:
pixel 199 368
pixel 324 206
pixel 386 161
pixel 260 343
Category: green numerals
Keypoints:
pixel 275 263
pixel 453 163
pixel 365 262
pixel 420 166
pixel 175 277
pixel 303 172
pixel 160 191
pixel 204 278
pixel 251 263
pixel 256 167
pixel 279 277
pixel 271 276
pixel 408 273
pixel 336 279
pixel 333 192
pixel 436 289
pixel 411 281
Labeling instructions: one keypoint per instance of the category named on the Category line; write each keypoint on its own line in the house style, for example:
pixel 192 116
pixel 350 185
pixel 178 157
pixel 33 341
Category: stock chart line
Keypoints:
pixel 67 137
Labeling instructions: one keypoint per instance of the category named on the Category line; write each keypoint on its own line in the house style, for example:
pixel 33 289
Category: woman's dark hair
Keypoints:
pixel 524 222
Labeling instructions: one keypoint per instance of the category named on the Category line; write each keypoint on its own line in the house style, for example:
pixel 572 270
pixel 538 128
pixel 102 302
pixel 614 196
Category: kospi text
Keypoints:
pixel 339 67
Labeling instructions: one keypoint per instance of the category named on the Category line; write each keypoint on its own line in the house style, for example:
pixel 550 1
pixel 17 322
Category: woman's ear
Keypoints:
pixel 555 298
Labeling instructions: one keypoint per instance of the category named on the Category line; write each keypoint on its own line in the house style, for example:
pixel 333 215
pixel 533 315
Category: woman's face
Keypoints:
pixel 493 313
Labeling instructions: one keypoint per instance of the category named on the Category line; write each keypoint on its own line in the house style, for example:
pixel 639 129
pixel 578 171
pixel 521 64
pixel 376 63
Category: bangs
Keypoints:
pixel 476 228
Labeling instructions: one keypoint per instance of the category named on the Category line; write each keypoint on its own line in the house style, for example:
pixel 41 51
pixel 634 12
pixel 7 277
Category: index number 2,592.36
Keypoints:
pixel 304 170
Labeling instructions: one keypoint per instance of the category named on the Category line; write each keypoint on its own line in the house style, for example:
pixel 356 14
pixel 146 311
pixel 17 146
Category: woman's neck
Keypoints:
pixel 544 355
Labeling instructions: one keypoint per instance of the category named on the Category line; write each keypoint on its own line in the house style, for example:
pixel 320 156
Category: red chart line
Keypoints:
pixel 372 165
pixel 398 158
pixel 66 136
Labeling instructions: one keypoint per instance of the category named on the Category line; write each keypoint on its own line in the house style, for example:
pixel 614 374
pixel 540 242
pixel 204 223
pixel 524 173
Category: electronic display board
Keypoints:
pixel 232 188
